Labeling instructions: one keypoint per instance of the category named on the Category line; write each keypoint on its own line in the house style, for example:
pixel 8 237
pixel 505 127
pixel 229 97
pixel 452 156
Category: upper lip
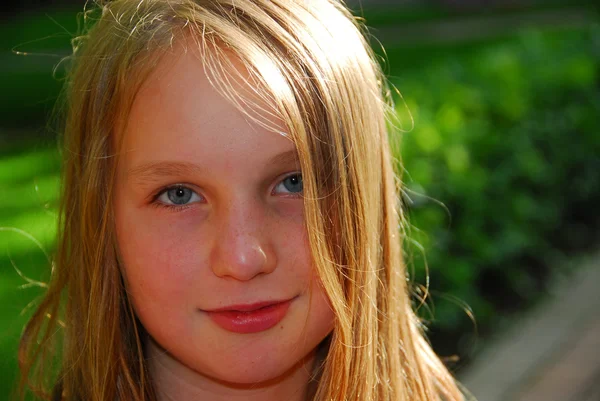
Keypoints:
pixel 249 307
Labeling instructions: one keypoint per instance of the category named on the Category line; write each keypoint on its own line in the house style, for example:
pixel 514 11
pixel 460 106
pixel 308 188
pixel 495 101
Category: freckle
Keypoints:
pixel 281 327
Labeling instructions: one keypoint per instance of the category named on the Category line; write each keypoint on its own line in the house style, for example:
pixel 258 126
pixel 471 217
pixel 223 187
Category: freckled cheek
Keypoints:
pixel 290 238
pixel 161 255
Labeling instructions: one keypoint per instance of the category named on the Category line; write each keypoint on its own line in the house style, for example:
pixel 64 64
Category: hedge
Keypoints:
pixel 502 173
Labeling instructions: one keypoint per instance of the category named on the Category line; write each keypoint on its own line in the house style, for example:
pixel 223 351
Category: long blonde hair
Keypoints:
pixel 312 62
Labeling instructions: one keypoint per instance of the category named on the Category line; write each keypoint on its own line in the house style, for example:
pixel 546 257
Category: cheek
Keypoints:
pixel 320 310
pixel 158 259
pixel 290 240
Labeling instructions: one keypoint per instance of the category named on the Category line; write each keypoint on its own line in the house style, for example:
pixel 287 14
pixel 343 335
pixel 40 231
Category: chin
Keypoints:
pixel 260 372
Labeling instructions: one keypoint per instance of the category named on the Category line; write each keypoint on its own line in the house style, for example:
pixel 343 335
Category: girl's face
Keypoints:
pixel 211 234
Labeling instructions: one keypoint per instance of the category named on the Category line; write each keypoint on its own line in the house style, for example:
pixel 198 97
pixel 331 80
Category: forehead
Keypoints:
pixel 178 115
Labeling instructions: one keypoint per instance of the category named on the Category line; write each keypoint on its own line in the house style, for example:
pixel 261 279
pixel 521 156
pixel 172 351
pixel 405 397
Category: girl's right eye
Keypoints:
pixel 178 195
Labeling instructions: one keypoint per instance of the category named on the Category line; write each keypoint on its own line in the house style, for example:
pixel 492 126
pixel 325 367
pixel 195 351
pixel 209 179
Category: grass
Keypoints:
pixel 28 193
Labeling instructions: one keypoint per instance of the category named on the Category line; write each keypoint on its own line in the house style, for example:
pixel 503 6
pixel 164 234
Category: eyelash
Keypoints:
pixel 156 203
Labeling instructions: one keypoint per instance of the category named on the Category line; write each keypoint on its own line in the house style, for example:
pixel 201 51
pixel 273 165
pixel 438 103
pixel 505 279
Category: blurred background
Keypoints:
pixel 500 146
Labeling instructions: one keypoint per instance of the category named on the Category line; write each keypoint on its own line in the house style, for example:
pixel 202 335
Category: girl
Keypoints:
pixel 229 226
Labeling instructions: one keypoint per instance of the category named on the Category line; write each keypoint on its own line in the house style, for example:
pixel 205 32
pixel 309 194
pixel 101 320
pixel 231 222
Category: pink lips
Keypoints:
pixel 250 318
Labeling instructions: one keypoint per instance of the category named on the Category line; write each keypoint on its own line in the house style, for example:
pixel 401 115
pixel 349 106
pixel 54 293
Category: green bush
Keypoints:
pixel 31 46
pixel 502 172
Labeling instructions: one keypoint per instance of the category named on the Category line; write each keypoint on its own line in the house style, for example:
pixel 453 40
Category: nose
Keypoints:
pixel 243 248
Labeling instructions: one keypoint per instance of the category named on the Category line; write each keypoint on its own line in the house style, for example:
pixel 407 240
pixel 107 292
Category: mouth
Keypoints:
pixel 250 318
pixel 246 307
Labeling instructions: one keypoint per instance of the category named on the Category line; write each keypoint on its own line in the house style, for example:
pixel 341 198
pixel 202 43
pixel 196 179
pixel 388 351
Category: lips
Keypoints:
pixel 250 318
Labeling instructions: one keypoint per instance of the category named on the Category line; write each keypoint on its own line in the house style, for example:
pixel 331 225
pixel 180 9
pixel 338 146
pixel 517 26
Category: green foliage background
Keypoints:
pixel 501 169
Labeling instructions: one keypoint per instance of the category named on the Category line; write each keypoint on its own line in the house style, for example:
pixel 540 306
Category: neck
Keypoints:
pixel 174 381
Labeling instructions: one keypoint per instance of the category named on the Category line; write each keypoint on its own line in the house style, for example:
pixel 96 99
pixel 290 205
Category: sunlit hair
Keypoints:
pixel 307 58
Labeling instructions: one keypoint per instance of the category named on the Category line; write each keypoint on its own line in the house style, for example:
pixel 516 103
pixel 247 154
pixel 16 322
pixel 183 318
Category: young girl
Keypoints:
pixel 229 219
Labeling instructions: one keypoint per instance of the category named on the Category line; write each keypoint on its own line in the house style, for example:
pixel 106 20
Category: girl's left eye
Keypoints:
pixel 178 195
pixel 292 184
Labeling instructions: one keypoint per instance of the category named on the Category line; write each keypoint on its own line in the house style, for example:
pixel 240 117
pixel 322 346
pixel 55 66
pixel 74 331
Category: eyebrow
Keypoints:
pixel 152 170
pixel 291 156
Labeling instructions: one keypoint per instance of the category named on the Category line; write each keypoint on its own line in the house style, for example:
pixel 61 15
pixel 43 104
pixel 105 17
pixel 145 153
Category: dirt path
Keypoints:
pixel 551 354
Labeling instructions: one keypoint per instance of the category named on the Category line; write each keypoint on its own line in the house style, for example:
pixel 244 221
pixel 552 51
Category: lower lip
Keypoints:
pixel 253 321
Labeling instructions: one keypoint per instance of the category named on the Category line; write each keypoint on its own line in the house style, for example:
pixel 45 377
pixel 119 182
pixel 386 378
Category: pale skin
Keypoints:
pixel 237 235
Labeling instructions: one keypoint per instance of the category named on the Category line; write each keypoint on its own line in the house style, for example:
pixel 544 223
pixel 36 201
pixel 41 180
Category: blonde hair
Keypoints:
pixel 312 62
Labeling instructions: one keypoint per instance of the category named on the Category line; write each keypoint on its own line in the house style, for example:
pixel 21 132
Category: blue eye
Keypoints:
pixel 291 184
pixel 178 196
